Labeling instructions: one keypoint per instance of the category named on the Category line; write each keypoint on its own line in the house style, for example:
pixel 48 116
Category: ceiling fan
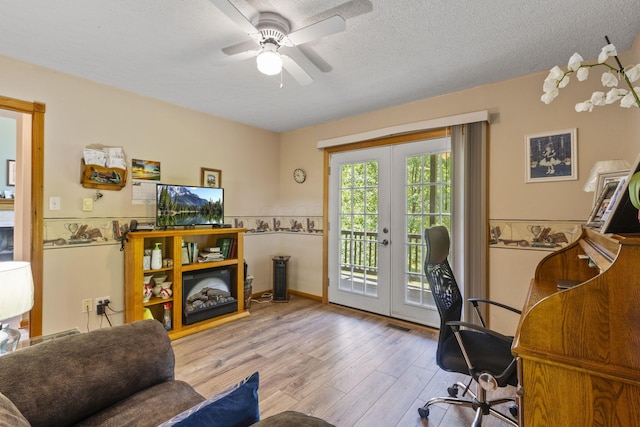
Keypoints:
pixel 270 33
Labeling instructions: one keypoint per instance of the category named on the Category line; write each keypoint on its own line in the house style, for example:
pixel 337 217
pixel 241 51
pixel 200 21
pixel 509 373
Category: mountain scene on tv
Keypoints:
pixel 179 205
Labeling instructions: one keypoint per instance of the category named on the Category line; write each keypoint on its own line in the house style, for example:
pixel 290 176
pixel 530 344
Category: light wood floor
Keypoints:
pixel 347 367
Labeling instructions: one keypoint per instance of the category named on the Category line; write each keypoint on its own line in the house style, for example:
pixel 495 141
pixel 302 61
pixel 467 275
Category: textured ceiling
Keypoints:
pixel 392 52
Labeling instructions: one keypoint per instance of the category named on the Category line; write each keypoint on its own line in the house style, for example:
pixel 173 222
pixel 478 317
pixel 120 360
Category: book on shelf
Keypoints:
pixel 234 248
pixel 225 244
pixel 210 256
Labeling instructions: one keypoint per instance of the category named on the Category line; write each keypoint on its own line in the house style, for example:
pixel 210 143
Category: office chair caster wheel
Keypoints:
pixel 513 410
pixel 423 412
pixel 453 390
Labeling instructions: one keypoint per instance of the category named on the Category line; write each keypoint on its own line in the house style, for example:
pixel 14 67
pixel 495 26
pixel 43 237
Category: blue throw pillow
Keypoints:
pixel 235 407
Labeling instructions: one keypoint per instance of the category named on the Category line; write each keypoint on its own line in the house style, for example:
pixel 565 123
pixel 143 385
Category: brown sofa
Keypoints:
pixel 121 376
pixel 115 376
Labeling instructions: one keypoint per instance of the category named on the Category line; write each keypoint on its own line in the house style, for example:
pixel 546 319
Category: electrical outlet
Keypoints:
pixel 86 305
pixel 99 301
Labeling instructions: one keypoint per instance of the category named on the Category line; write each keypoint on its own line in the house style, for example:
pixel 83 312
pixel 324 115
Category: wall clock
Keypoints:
pixel 299 175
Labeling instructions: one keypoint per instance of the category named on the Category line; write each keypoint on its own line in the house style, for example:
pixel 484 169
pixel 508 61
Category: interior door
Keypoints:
pixel 380 201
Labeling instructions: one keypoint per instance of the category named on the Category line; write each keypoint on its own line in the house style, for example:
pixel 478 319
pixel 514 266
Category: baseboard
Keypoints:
pixel 258 295
pixel 305 295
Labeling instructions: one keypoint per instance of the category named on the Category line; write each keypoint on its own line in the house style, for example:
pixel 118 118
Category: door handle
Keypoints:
pixel 385 242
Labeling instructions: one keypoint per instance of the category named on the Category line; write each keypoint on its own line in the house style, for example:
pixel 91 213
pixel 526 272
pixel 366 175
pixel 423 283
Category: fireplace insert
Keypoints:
pixel 208 293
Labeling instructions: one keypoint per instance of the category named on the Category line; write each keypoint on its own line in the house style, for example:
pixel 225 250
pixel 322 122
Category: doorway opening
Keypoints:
pixel 28 196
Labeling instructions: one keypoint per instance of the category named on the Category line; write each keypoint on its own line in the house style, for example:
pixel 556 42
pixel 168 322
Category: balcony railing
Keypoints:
pixel 360 253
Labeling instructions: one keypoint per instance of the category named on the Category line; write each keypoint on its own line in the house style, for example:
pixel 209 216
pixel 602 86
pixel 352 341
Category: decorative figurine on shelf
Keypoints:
pixel 147 288
pixel 148 292
pixel 156 290
pixel 165 291
pixel 158 280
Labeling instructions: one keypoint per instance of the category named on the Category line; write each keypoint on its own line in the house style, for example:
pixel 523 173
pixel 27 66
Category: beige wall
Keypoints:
pixel 516 110
pixel 79 113
pixel 257 170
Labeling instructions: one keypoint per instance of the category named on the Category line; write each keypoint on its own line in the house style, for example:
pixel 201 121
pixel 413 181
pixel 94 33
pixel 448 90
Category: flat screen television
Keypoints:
pixel 181 205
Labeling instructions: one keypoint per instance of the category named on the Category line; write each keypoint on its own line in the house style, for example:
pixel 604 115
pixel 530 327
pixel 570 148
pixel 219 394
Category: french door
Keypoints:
pixel 360 236
pixel 380 201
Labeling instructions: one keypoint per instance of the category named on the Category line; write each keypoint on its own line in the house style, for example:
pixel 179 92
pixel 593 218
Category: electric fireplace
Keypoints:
pixel 208 293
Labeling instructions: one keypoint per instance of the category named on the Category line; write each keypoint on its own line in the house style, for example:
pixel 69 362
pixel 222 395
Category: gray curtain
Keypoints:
pixel 469 222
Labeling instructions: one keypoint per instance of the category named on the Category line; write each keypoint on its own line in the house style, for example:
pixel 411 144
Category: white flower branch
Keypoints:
pixel 557 79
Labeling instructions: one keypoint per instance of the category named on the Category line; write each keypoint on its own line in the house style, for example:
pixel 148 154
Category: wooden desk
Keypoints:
pixel 578 349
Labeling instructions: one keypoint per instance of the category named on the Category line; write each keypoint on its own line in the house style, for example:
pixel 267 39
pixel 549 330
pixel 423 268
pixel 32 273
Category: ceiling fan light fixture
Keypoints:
pixel 269 60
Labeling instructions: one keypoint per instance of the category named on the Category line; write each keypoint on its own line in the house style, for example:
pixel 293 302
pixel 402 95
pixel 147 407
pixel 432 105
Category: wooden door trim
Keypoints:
pixel 36 110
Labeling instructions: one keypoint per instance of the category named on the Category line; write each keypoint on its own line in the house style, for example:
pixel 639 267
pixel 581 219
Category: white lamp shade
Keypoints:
pixel 269 62
pixel 603 166
pixel 16 288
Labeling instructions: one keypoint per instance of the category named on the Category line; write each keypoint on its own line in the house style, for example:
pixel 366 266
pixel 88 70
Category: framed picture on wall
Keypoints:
pixel 551 156
pixel 211 178
pixel 11 172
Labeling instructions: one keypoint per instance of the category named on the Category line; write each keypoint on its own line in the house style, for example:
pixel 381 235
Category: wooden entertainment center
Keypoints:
pixel 578 348
pixel 171 245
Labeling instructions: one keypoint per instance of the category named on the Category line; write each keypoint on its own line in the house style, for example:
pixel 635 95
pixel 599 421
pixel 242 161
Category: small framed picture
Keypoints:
pixel 11 172
pixel 551 156
pixel 607 177
pixel 145 170
pixel 211 177
pixel 621 215
pixel 596 219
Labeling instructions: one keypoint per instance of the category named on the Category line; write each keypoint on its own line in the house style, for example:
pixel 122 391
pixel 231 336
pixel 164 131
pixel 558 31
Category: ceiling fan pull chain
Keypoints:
pixel 280 78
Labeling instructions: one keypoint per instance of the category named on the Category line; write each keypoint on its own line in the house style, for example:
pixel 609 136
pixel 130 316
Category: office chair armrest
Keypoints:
pixel 456 325
pixel 475 302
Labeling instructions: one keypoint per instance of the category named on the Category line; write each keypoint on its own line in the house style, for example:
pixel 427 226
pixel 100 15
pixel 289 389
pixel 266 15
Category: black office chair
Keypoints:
pixel 463 347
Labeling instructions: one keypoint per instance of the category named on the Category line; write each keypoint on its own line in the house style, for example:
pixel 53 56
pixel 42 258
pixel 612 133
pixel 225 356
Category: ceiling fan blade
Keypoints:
pixel 226 60
pixel 249 45
pixel 300 58
pixel 324 28
pixel 315 59
pixel 234 14
pixel 297 72
pixel 348 10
